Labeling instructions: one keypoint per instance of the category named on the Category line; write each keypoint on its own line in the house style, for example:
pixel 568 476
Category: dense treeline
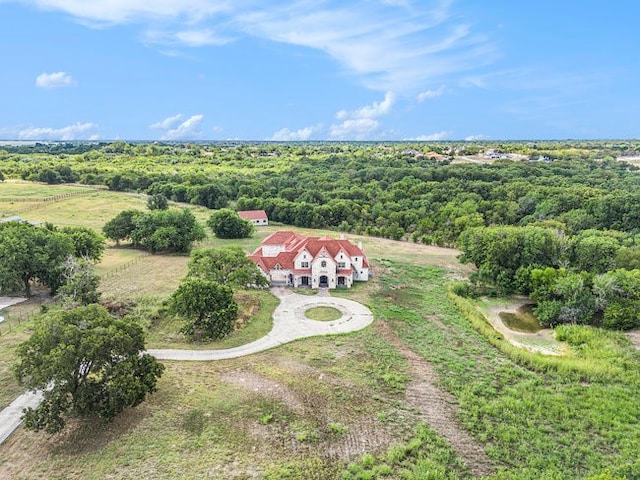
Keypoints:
pixel 589 278
pixel 395 190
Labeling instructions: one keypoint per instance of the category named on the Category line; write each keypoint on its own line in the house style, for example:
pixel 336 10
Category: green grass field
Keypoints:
pixel 343 407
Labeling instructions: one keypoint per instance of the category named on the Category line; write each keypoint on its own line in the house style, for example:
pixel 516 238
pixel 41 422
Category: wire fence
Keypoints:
pixel 13 320
pixel 41 202
pixel 120 268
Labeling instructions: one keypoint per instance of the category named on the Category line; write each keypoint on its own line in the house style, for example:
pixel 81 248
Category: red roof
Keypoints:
pixel 282 237
pixel 253 214
pixel 294 244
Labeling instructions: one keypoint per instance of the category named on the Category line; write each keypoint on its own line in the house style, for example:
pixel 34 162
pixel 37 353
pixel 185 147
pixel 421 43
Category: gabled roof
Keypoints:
pixel 295 244
pixel 253 214
pixel 282 237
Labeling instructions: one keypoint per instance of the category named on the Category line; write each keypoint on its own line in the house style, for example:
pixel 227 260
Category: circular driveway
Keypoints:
pixel 289 324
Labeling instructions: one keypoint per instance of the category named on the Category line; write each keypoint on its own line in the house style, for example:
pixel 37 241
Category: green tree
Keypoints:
pixel 157 201
pixel 167 230
pixel 594 252
pixel 80 285
pixel 29 254
pixel 226 266
pixel 88 364
pixel 618 296
pixel 209 308
pixel 122 225
pixel 628 258
pixel 563 297
pixel 500 252
pixel 1 177
pixel 88 243
pixel 226 223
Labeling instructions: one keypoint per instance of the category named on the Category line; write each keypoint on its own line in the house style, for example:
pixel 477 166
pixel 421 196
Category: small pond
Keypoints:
pixel 522 320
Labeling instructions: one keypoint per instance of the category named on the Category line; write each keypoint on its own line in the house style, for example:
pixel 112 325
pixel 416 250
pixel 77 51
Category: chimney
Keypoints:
pixel 360 245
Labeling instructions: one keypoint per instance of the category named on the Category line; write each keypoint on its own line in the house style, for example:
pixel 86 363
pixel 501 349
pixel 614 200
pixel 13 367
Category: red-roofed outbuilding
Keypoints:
pixel 257 217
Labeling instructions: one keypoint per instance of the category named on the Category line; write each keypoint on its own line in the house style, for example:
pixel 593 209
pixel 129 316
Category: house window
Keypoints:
pixel 323 264
pixel 342 265
pixel 278 267
pixel 304 264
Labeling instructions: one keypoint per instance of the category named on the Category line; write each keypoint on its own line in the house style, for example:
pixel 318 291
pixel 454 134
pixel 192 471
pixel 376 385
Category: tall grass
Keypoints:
pixel 538 417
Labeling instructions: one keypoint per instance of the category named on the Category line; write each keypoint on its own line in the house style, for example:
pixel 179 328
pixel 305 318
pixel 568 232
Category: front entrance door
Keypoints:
pixel 324 281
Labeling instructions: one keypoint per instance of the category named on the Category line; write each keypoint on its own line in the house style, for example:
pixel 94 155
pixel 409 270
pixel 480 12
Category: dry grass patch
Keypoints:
pixel 154 275
pixel 17 189
pixel 223 419
pixel 92 210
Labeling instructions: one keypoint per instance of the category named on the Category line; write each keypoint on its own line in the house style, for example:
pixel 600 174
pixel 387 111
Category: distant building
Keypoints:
pixel 289 259
pixel 257 217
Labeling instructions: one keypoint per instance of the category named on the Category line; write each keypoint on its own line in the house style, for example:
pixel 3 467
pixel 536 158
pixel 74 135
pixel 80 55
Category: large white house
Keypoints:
pixel 287 258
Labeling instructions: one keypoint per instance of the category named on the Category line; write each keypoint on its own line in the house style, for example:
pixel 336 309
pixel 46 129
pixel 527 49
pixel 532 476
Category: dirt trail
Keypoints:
pixel 634 335
pixel 437 407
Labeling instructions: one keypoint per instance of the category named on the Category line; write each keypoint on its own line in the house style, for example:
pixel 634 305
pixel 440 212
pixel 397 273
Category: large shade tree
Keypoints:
pixel 87 243
pixel 88 364
pixel 226 266
pixel 226 223
pixel 28 254
pixel 209 308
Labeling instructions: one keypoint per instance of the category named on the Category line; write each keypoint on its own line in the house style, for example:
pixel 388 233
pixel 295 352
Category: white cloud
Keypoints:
pixel 474 138
pixel 186 130
pixel 77 131
pixel 396 45
pixel 376 109
pixel 426 95
pixel 167 122
pixel 387 47
pixel 55 80
pixel 287 135
pixel 187 38
pixel 106 12
pixel 361 123
pixel 354 129
pixel 217 129
pixel 198 38
pixel 432 137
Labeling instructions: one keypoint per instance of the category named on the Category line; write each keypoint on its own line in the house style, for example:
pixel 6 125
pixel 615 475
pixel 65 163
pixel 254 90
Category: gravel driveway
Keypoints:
pixel 289 324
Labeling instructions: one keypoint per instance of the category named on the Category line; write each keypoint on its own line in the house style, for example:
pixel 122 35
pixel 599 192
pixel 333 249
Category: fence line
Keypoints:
pixel 9 321
pixel 41 202
pixel 115 271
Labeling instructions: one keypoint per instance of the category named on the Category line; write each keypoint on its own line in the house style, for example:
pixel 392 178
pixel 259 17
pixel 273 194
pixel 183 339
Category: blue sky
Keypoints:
pixel 318 70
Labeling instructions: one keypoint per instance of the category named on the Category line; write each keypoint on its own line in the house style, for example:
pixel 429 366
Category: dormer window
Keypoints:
pixel 278 267
pixel 323 264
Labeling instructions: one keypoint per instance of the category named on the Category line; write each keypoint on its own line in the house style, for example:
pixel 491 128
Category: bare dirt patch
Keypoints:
pixel 263 386
pixel 437 407
pixel 634 335
pixel 311 428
